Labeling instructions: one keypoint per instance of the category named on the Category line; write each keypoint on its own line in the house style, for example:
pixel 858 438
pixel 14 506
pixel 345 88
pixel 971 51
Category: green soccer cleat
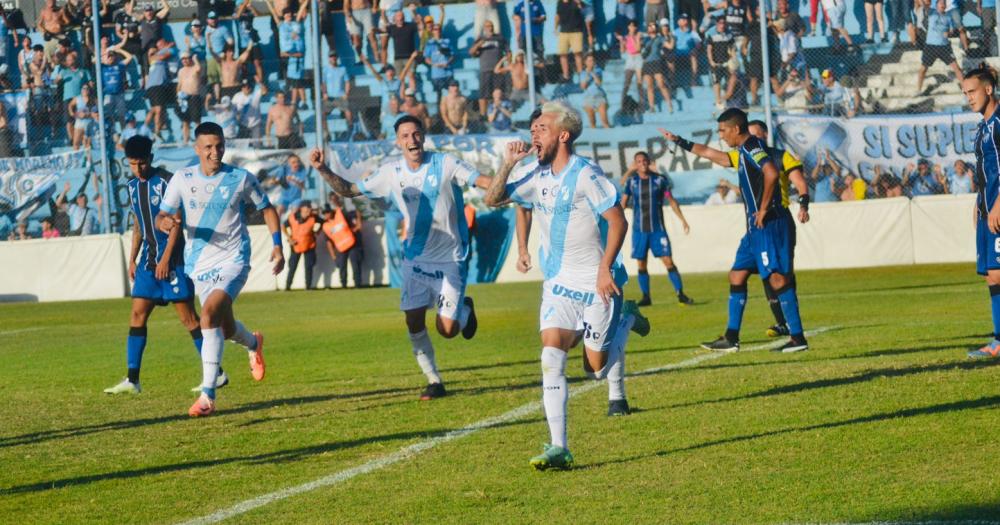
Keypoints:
pixel 125 387
pixel 552 457
pixel 641 324
pixel 778 330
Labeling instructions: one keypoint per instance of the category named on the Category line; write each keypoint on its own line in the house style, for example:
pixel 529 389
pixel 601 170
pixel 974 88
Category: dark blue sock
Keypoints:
pixel 790 307
pixel 196 337
pixel 675 279
pixel 737 303
pixel 995 306
pixel 644 282
pixel 134 348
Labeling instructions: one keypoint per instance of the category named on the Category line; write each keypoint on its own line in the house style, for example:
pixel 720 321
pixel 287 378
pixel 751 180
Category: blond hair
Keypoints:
pixel 567 118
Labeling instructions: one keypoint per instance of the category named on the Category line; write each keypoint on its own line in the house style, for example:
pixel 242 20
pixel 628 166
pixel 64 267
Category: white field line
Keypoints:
pixel 23 330
pixel 427 444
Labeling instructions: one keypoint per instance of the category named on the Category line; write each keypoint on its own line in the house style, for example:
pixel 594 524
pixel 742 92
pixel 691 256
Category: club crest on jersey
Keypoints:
pixel 210 188
pixel 576 295
pixel 155 199
pixel 224 191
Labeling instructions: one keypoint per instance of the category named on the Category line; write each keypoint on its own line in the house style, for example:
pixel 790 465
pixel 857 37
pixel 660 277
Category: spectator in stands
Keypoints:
pixel 248 114
pixel 822 179
pixel 886 185
pixel 594 98
pixel 82 218
pixel 291 177
pixel 288 21
pixel 668 55
pixel 389 84
pixel 223 113
pixel 922 180
pixel 131 129
pixel 873 13
pixel 72 77
pixel 653 71
pixel 115 81
pixel 84 111
pixel 390 114
pixel 351 216
pixel 725 193
pixel 837 101
pixel 191 101
pixel 569 26
pixel 159 88
pixel 901 19
pixel 294 53
pixel 936 44
pixel 439 57
pixel 8 138
pixel 954 10
pixel 687 44
pixel 48 230
pixel 738 19
pixel 231 68
pixel 736 90
pixel 500 112
pixel 514 66
pixel 721 57
pixel 490 47
pixel 630 47
pixel 218 37
pixel 385 16
pixel 20 233
pixel 454 110
pixel 961 179
pixel 151 26
pixel 360 23
pixel 693 9
pixel 283 120
pixel 52 21
pixel 656 10
pixel 245 15
pixel 196 43
pixel 987 10
pixel 404 45
pixel 486 11
pixel 24 58
pixel 790 47
pixel 835 11
pixel 415 108
pixel 6 85
pixel 301 227
pixel 793 22
pixel 337 88
pixel 61 51
pixel 794 83
pixel 536 17
pixel 6 34
pixel 626 12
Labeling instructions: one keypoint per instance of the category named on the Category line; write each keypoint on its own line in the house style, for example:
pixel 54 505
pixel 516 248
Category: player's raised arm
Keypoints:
pixel 617 226
pixel 496 193
pixel 340 185
pixel 706 152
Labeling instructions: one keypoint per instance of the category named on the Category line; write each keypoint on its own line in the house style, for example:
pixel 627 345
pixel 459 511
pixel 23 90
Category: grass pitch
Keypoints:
pixel 883 418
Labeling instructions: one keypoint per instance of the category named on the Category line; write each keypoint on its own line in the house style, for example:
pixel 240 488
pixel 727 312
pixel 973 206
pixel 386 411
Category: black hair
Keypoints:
pixel 209 128
pixel 534 115
pixel 758 123
pixel 48 220
pixel 984 73
pixel 408 119
pixel 643 153
pixel 736 117
pixel 139 147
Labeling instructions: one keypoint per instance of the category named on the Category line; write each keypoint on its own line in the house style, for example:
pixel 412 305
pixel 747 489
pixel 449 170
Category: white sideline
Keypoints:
pixel 416 448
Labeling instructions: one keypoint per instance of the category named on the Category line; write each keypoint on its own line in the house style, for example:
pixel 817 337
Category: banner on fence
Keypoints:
pixel 25 181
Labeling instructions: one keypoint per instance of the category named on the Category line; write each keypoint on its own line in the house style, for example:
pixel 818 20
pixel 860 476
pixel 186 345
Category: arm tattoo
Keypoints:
pixel 340 186
pixel 496 194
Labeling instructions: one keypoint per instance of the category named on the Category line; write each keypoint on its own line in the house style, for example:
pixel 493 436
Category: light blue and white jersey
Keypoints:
pixel 213 212
pixel 432 204
pixel 568 208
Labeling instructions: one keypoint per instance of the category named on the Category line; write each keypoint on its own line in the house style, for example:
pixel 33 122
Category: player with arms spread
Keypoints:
pixel 427 188
pixel 208 200
pixel 980 88
pixel 766 246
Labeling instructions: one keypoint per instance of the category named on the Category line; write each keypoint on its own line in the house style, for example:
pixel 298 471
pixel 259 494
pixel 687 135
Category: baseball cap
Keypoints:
pixel 185 54
pixel 333 53
pixel 410 92
pixel 684 15
pixel 148 8
pixel 428 19
pixel 826 73
pixel 196 22
pixel 664 22
pixel 245 83
pixel 211 14
pixel 225 101
pixel 129 116
pixel 453 82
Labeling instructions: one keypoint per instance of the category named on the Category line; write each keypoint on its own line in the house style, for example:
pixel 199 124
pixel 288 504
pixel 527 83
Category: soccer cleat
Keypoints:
pixel 641 324
pixel 795 344
pixel 618 407
pixel 645 301
pixel 778 330
pixel 989 351
pixel 684 300
pixel 203 406
pixel 125 387
pixel 722 345
pixel 472 324
pixel 257 358
pixel 552 457
pixel 433 391
pixel 221 380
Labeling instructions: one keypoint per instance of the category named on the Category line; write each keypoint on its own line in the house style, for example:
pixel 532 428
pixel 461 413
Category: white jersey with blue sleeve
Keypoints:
pixel 213 214
pixel 430 198
pixel 568 208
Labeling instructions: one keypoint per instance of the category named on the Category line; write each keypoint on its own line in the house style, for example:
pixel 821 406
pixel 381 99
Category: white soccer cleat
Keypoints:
pixel 221 380
pixel 125 387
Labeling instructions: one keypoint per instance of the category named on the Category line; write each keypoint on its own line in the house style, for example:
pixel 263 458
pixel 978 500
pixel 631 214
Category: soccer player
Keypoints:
pixel 980 88
pixel 766 246
pixel 645 191
pixel 790 171
pixel 427 187
pixel 158 277
pixel 583 227
pixel 208 200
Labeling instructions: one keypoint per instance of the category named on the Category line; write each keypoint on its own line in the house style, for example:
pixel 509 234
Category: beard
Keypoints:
pixel 547 154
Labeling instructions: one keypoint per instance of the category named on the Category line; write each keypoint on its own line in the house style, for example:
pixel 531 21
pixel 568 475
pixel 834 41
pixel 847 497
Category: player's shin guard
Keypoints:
pixel 675 279
pixel 211 357
pixel 244 337
pixel 134 347
pixel 774 303
pixel 555 393
pixel 790 307
pixel 644 282
pixel 423 350
pixel 995 306
pixel 737 304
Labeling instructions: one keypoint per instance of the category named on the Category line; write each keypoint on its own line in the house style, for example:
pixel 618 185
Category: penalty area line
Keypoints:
pixel 412 450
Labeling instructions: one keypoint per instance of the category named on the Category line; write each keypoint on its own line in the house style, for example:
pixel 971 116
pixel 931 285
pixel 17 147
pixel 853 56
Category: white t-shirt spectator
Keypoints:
pixel 247 108
pixel 715 199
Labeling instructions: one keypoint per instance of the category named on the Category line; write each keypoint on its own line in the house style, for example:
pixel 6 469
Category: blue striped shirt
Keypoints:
pixel 646 196
pixel 988 164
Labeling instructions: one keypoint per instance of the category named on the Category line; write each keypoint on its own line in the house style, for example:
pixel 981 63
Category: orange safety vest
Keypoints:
pixel 470 216
pixel 303 236
pixel 339 231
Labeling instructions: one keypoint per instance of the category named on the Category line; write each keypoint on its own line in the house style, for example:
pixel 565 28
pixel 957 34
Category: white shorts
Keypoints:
pixel 229 279
pixel 426 285
pixel 835 16
pixel 568 309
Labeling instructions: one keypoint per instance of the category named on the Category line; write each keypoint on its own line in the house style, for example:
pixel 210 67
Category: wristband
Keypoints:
pixel 804 201
pixel 276 238
pixel 684 144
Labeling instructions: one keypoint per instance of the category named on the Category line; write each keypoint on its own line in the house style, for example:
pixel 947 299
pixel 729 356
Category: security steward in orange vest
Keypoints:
pixel 301 227
pixel 343 238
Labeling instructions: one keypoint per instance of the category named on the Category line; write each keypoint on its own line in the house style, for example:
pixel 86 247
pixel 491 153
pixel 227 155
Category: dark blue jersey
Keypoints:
pixel 145 197
pixel 988 164
pixel 646 196
pixel 749 160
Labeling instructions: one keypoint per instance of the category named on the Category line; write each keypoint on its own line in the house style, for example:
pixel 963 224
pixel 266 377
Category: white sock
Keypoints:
pixel 423 350
pixel 211 357
pixel 555 393
pixel 616 361
pixel 244 338
pixel 463 316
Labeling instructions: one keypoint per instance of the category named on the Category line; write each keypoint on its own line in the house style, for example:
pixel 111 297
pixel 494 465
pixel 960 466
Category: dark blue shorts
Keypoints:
pixel 643 242
pixel 987 248
pixel 176 288
pixel 766 251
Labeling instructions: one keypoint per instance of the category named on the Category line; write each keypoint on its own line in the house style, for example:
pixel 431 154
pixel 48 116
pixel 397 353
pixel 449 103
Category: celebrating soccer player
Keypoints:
pixel 645 191
pixel 207 199
pixel 583 227
pixel 158 278
pixel 766 246
pixel 980 88
pixel 427 188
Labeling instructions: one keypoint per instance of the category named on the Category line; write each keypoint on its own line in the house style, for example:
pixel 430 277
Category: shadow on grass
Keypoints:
pixel 278 456
pixel 892 288
pixel 984 513
pixel 971 404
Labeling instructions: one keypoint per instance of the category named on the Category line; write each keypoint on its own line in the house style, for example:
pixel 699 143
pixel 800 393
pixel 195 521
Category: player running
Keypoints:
pixel 645 190
pixel 583 227
pixel 208 200
pixel 158 277
pixel 427 188
pixel 980 87
pixel 790 172
pixel 766 246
